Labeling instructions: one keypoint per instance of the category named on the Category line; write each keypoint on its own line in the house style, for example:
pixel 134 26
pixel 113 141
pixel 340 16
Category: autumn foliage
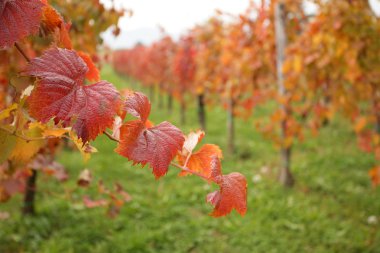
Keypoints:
pixel 328 67
pixel 60 104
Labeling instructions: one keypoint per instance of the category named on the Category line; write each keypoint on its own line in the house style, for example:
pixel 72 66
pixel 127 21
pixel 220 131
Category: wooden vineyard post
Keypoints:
pixel 230 122
pixel 285 176
pixel 201 111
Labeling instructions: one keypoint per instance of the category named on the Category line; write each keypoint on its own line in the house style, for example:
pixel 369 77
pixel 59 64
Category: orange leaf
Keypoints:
pixel 93 72
pixel 51 19
pixel 64 36
pixel 360 124
pixel 374 174
pixel 53 23
pixel 200 161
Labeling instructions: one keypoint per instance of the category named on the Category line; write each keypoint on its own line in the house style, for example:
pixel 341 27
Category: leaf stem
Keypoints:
pixel 187 159
pixel 22 52
pixel 110 136
pixel 183 168
pixel 28 138
pixel 190 171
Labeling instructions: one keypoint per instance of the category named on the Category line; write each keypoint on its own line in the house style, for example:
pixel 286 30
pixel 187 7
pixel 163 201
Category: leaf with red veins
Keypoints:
pixel 200 161
pixel 156 145
pixel 138 105
pixel 216 168
pixel 232 193
pixel 60 93
pixel 18 19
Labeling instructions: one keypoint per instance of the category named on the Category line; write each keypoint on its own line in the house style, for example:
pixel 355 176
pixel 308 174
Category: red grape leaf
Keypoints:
pixel 119 189
pixel 18 19
pixel 216 168
pixel 89 203
pixel 13 185
pixel 365 141
pixel 156 145
pixel 232 194
pixel 60 93
pixel 138 105
pixel 200 161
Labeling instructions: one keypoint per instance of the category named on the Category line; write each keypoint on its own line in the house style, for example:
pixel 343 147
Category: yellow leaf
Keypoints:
pixel 297 64
pixel 86 150
pixel 7 143
pixel 37 125
pixel 56 132
pixel 288 142
pixel 7 112
pixel 317 39
pixel 26 150
pixel 50 131
pixel 286 68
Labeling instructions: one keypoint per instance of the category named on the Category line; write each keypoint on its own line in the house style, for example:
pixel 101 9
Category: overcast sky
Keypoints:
pixel 176 16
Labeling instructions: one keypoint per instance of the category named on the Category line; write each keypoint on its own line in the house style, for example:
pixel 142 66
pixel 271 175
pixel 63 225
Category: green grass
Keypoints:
pixel 326 211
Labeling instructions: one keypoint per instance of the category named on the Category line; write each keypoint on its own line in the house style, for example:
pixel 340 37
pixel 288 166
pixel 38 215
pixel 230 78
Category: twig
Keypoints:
pixel 190 171
pixel 187 159
pixel 183 168
pixel 22 52
pixel 110 136
pixel 25 138
pixel 20 136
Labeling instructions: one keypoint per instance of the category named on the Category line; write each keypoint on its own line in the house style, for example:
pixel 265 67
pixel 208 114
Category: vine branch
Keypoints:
pixel 28 139
pixel 111 137
pixel 22 52
pixel 183 168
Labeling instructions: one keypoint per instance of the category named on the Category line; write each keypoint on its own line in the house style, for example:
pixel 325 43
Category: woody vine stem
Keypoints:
pixel 183 168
